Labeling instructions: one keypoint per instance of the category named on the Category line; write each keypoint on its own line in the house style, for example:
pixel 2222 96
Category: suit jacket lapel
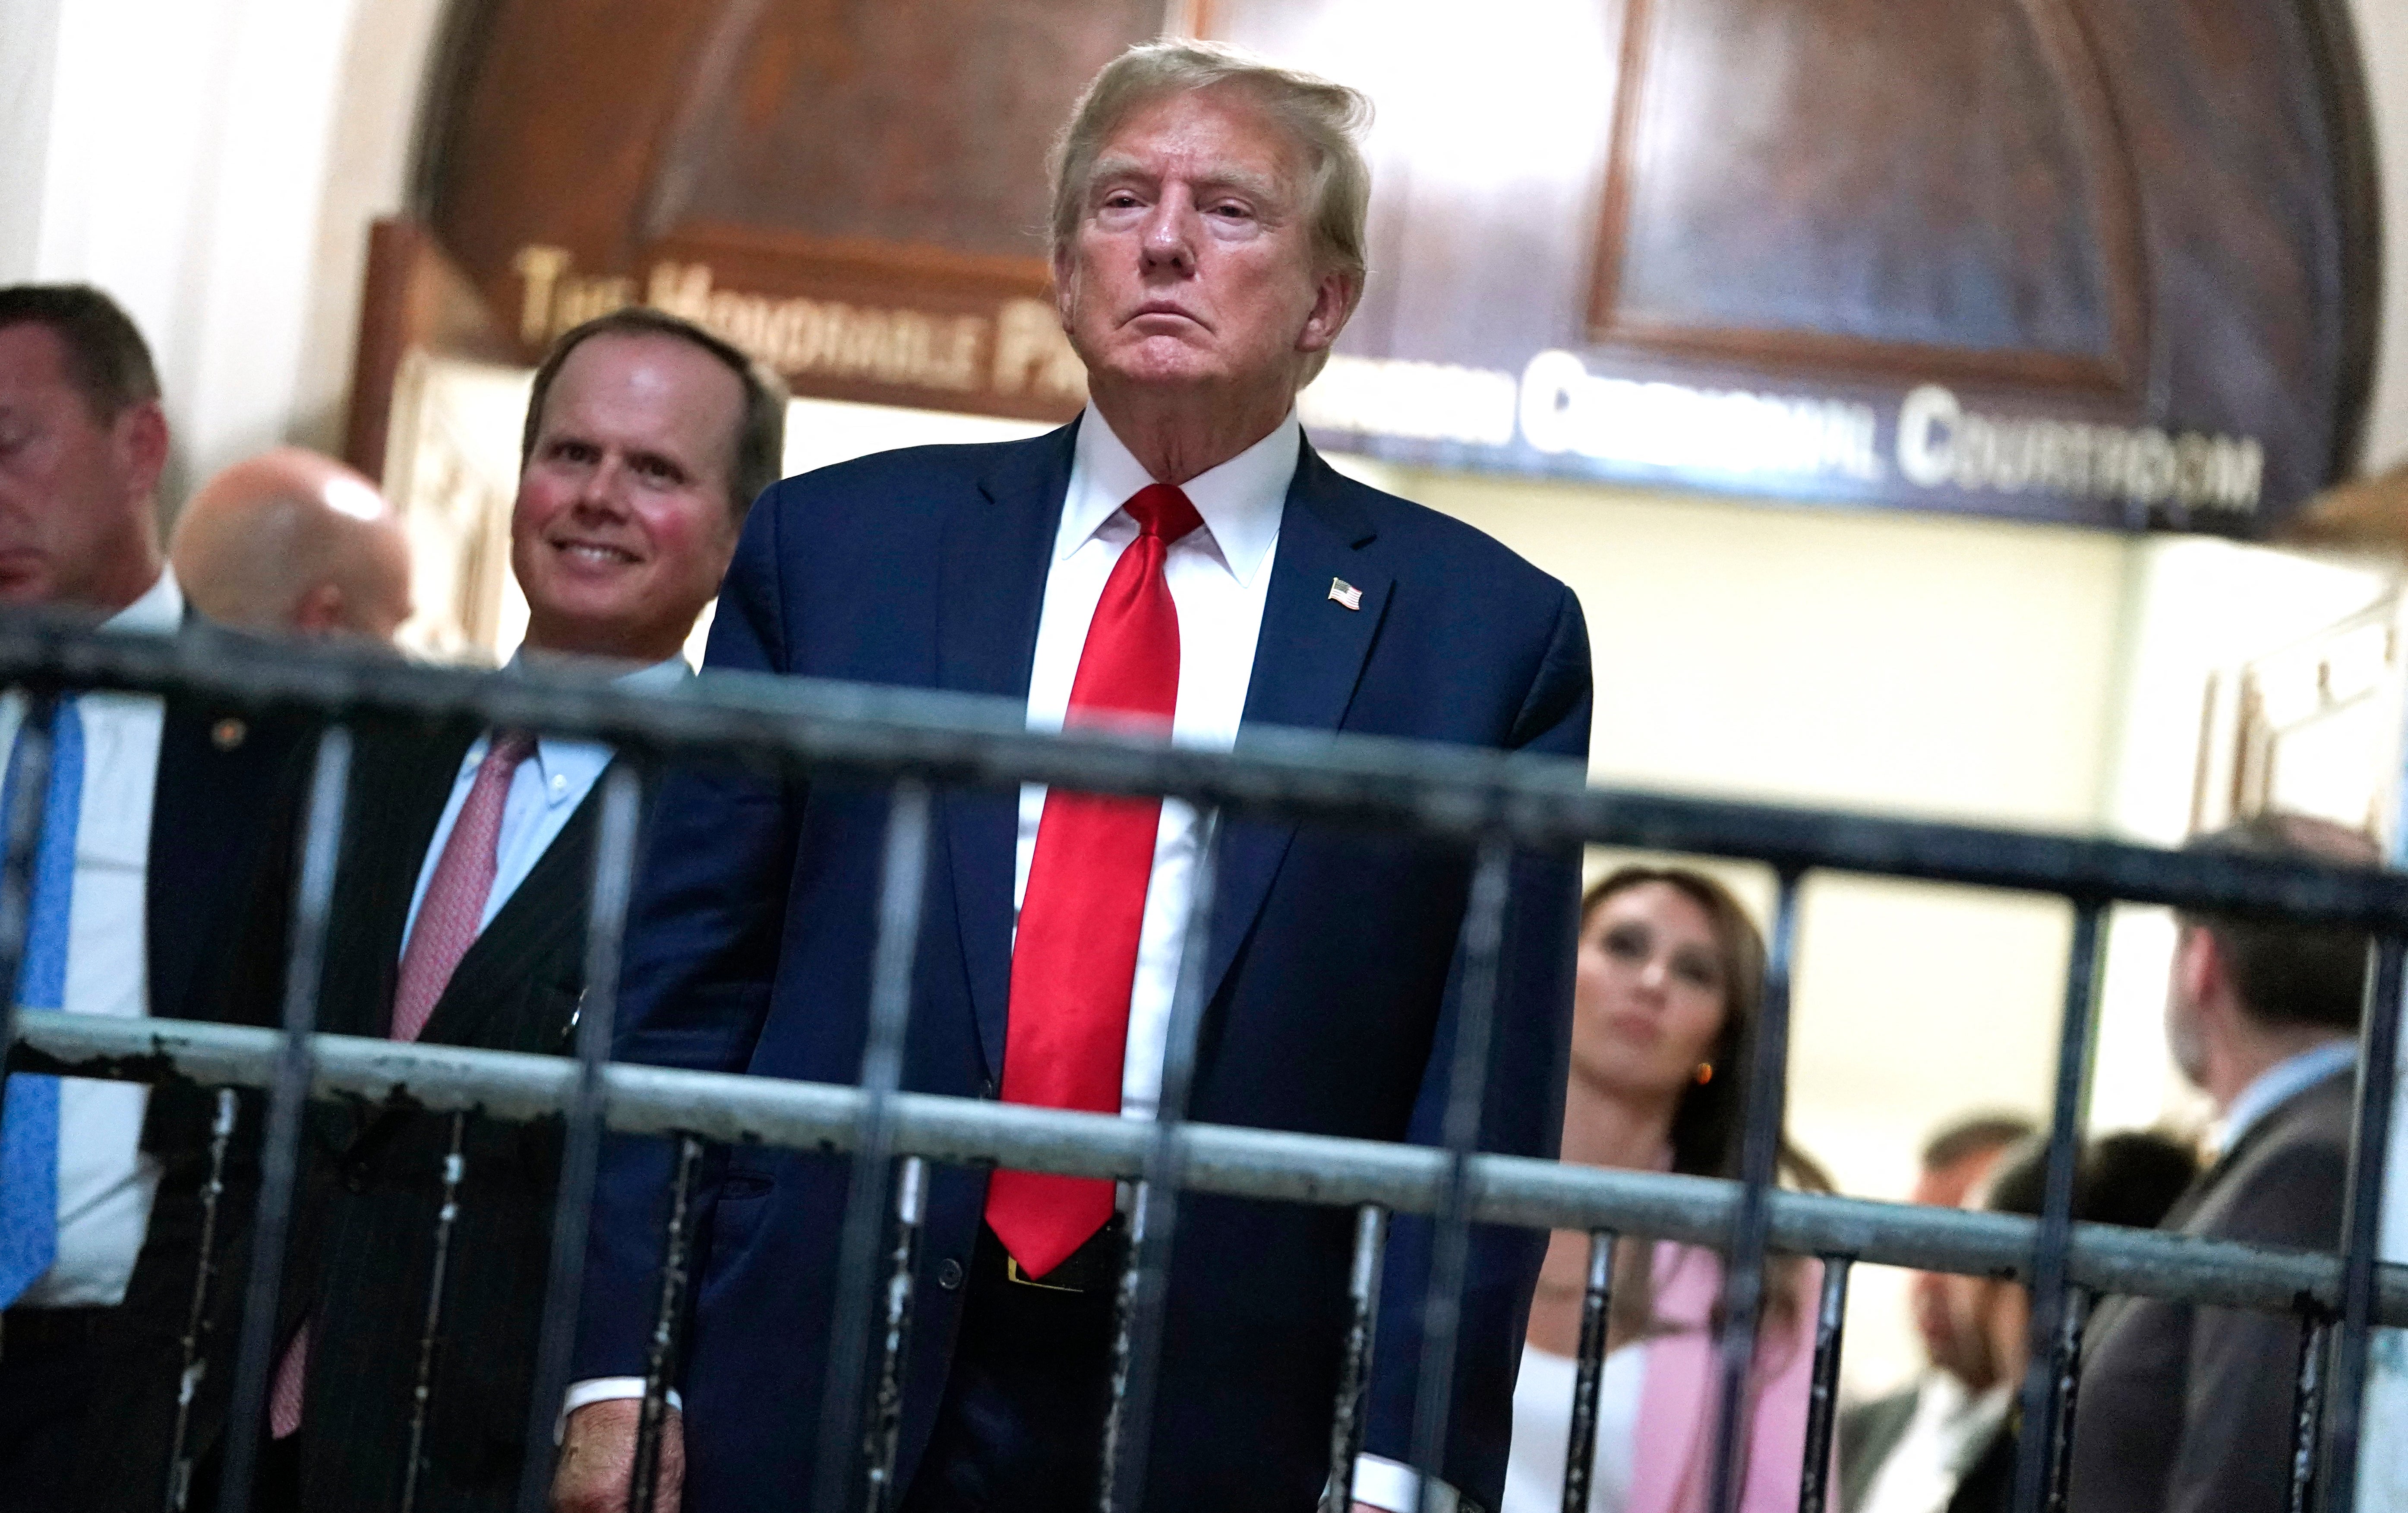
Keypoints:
pixel 550 901
pixel 400 785
pixel 991 587
pixel 1306 664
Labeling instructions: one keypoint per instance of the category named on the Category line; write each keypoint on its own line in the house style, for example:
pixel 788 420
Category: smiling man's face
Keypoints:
pixel 623 529
pixel 1193 263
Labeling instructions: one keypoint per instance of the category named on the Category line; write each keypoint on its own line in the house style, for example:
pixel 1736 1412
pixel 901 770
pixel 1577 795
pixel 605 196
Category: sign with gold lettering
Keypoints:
pixel 2095 261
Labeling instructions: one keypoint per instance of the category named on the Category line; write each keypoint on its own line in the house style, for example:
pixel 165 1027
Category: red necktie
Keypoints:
pixel 449 919
pixel 1074 960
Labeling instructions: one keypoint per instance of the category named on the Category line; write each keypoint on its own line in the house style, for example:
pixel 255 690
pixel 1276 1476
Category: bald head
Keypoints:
pixel 293 543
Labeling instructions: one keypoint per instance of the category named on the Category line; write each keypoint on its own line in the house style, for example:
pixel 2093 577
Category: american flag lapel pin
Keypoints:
pixel 1345 593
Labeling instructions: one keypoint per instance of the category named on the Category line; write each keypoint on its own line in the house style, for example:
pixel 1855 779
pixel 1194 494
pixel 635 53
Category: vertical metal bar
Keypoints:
pixel 1823 1399
pixel 1743 1302
pixel 660 1358
pixel 280 1153
pixel 1483 937
pixel 188 1380
pixel 605 919
pixel 2308 1411
pixel 2036 1449
pixel 447 1218
pixel 2068 1382
pixel 25 822
pixel 843 1436
pixel 2378 1081
pixel 886 1414
pixel 1154 1206
pixel 1588 1371
pixel 1347 1423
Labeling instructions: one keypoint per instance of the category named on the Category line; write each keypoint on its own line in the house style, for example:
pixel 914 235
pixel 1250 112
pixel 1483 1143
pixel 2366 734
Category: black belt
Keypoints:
pixel 1093 1267
pixel 50 1330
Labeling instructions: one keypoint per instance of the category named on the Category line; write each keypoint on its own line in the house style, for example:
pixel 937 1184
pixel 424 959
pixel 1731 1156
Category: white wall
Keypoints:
pixel 1880 663
pixel 213 163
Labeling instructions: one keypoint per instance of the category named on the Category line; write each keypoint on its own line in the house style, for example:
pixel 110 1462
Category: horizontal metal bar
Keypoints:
pixel 1260 1163
pixel 956 739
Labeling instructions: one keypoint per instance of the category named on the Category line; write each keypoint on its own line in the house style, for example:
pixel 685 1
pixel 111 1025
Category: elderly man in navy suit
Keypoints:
pixel 1179 553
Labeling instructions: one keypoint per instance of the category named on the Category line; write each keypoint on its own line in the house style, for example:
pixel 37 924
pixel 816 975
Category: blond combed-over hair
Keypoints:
pixel 1324 120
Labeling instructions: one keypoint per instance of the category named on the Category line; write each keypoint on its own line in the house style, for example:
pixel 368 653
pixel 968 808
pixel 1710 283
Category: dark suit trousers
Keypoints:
pixel 48 1361
pixel 1021 1429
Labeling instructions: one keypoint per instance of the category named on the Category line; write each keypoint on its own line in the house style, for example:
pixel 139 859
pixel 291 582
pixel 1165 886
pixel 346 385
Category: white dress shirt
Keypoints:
pixel 1542 1431
pixel 1218 578
pixel 1949 1429
pixel 544 792
pixel 106 1180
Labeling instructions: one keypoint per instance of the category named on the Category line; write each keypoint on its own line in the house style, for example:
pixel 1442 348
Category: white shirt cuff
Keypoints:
pixel 601 1389
pixel 1396 1487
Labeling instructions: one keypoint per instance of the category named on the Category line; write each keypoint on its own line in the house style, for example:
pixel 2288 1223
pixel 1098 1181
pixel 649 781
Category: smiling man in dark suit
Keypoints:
pixel 1179 555
pixel 150 834
pixel 459 918
pixel 2189 1409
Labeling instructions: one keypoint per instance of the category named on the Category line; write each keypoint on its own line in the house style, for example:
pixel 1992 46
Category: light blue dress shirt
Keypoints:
pixel 2279 1083
pixel 544 792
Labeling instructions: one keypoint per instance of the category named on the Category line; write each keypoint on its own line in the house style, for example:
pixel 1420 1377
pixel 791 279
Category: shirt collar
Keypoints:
pixel 1241 501
pixel 2279 1083
pixel 160 610
pixel 553 754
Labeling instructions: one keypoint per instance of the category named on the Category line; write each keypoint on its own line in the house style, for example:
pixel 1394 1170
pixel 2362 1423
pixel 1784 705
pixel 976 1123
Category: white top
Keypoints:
pixel 1218 578
pixel 2278 1084
pixel 106 1181
pixel 1948 1432
pixel 1542 1431
pixel 544 792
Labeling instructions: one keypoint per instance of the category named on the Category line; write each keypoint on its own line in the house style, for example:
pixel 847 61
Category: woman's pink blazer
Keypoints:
pixel 1672 1470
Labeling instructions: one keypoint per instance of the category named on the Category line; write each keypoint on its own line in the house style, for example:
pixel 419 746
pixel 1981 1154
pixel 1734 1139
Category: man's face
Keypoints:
pixel 623 531
pixel 1942 1305
pixel 77 518
pixel 2186 1040
pixel 1192 265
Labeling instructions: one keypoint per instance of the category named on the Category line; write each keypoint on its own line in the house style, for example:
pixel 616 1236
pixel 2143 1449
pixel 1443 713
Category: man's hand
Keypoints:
pixel 598 1458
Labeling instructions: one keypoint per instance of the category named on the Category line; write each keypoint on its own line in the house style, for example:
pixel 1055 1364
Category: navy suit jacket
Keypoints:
pixel 1332 955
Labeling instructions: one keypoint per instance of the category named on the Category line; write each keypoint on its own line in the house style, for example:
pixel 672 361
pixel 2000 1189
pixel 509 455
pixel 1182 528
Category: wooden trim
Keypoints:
pixel 884 262
pixel 413 298
pixel 1614 218
pixel 2358 195
pixel 1845 358
pixel 2067 50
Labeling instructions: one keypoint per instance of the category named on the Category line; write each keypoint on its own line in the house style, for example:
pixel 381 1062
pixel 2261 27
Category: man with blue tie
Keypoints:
pixel 148 834
pixel 458 917
pixel 1180 557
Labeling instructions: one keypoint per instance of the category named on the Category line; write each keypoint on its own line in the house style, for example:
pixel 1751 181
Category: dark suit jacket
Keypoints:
pixel 1329 967
pixel 361 1259
pixel 220 769
pixel 2189 1410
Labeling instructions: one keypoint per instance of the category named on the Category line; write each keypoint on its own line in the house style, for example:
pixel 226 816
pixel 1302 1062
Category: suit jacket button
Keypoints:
pixel 949 1275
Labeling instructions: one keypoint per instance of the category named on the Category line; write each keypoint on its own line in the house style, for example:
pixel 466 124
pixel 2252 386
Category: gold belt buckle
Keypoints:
pixel 1011 1273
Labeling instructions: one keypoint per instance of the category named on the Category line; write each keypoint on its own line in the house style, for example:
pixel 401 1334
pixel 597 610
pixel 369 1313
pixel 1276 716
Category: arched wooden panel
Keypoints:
pixel 2101 260
pixel 1871 187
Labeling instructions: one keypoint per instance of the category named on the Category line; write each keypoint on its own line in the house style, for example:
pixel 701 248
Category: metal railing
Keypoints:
pixel 1492 805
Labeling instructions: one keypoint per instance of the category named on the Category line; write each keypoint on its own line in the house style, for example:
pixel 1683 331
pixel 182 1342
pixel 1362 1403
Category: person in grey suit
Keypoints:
pixel 2187 1409
pixel 1929 1421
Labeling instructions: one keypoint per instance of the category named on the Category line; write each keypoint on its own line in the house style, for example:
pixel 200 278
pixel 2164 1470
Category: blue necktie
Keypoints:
pixel 29 1127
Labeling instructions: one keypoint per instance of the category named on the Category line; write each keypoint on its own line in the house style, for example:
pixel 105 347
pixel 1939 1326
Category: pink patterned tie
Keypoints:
pixel 449 919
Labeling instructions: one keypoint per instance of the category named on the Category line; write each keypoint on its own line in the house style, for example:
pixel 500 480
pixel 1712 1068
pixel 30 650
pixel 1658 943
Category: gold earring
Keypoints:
pixel 1705 1073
